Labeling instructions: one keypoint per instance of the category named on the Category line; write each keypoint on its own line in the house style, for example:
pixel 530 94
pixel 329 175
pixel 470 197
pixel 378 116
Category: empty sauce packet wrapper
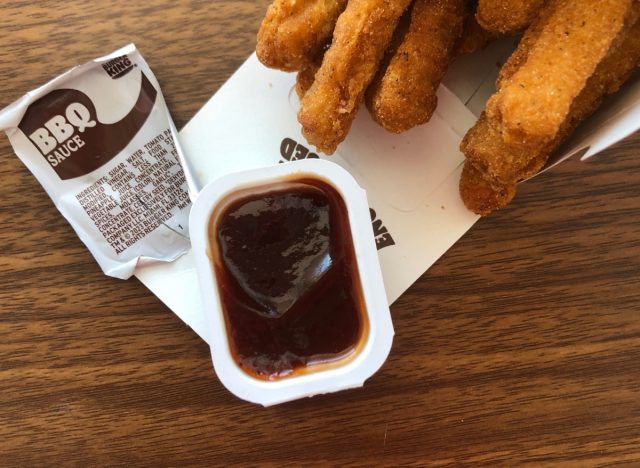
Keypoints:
pixel 100 140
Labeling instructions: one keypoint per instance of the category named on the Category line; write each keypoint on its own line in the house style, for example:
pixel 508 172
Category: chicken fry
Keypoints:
pixel 304 79
pixel 294 31
pixel 507 17
pixel 361 36
pixel 479 195
pixel 532 104
pixel 502 165
pixel 403 94
pixel 474 37
pixel 531 35
pixel 307 74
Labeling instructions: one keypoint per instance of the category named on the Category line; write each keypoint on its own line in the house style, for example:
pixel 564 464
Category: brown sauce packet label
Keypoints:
pixel 100 140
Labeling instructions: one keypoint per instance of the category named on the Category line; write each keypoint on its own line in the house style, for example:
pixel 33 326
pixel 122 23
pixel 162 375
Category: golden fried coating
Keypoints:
pixel 502 164
pixel 307 74
pixel 611 74
pixel 304 79
pixel 403 94
pixel 529 38
pixel 531 105
pixel 474 37
pixel 363 32
pixel 294 31
pixel 573 55
pixel 479 196
pixel 499 162
pixel 507 17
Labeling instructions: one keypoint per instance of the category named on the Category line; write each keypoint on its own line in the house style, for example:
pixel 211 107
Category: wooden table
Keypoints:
pixel 522 344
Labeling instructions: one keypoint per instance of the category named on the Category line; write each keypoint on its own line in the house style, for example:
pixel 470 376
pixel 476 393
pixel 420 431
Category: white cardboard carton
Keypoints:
pixel 411 179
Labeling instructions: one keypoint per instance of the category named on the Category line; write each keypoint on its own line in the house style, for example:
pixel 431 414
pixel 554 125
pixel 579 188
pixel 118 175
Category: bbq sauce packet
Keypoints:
pixel 100 140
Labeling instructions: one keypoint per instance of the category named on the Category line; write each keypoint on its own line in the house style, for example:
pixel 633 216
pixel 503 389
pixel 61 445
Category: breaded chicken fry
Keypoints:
pixel 307 74
pixel 502 165
pixel 520 55
pixel 294 31
pixel 499 162
pixel 507 16
pixel 361 36
pixel 532 104
pixel 480 196
pixel 305 78
pixel 474 37
pixel 403 94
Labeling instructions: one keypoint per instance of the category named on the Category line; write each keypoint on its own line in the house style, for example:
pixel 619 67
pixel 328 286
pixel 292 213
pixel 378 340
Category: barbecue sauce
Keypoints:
pixel 287 278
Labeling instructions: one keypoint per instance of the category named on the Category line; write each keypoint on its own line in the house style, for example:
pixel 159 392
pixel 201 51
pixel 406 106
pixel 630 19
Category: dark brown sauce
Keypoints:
pixel 288 279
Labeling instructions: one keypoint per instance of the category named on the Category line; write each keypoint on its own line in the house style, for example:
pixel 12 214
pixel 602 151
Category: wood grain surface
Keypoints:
pixel 520 346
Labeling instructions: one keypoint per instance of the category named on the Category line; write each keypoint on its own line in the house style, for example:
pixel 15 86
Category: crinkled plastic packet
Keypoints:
pixel 100 140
